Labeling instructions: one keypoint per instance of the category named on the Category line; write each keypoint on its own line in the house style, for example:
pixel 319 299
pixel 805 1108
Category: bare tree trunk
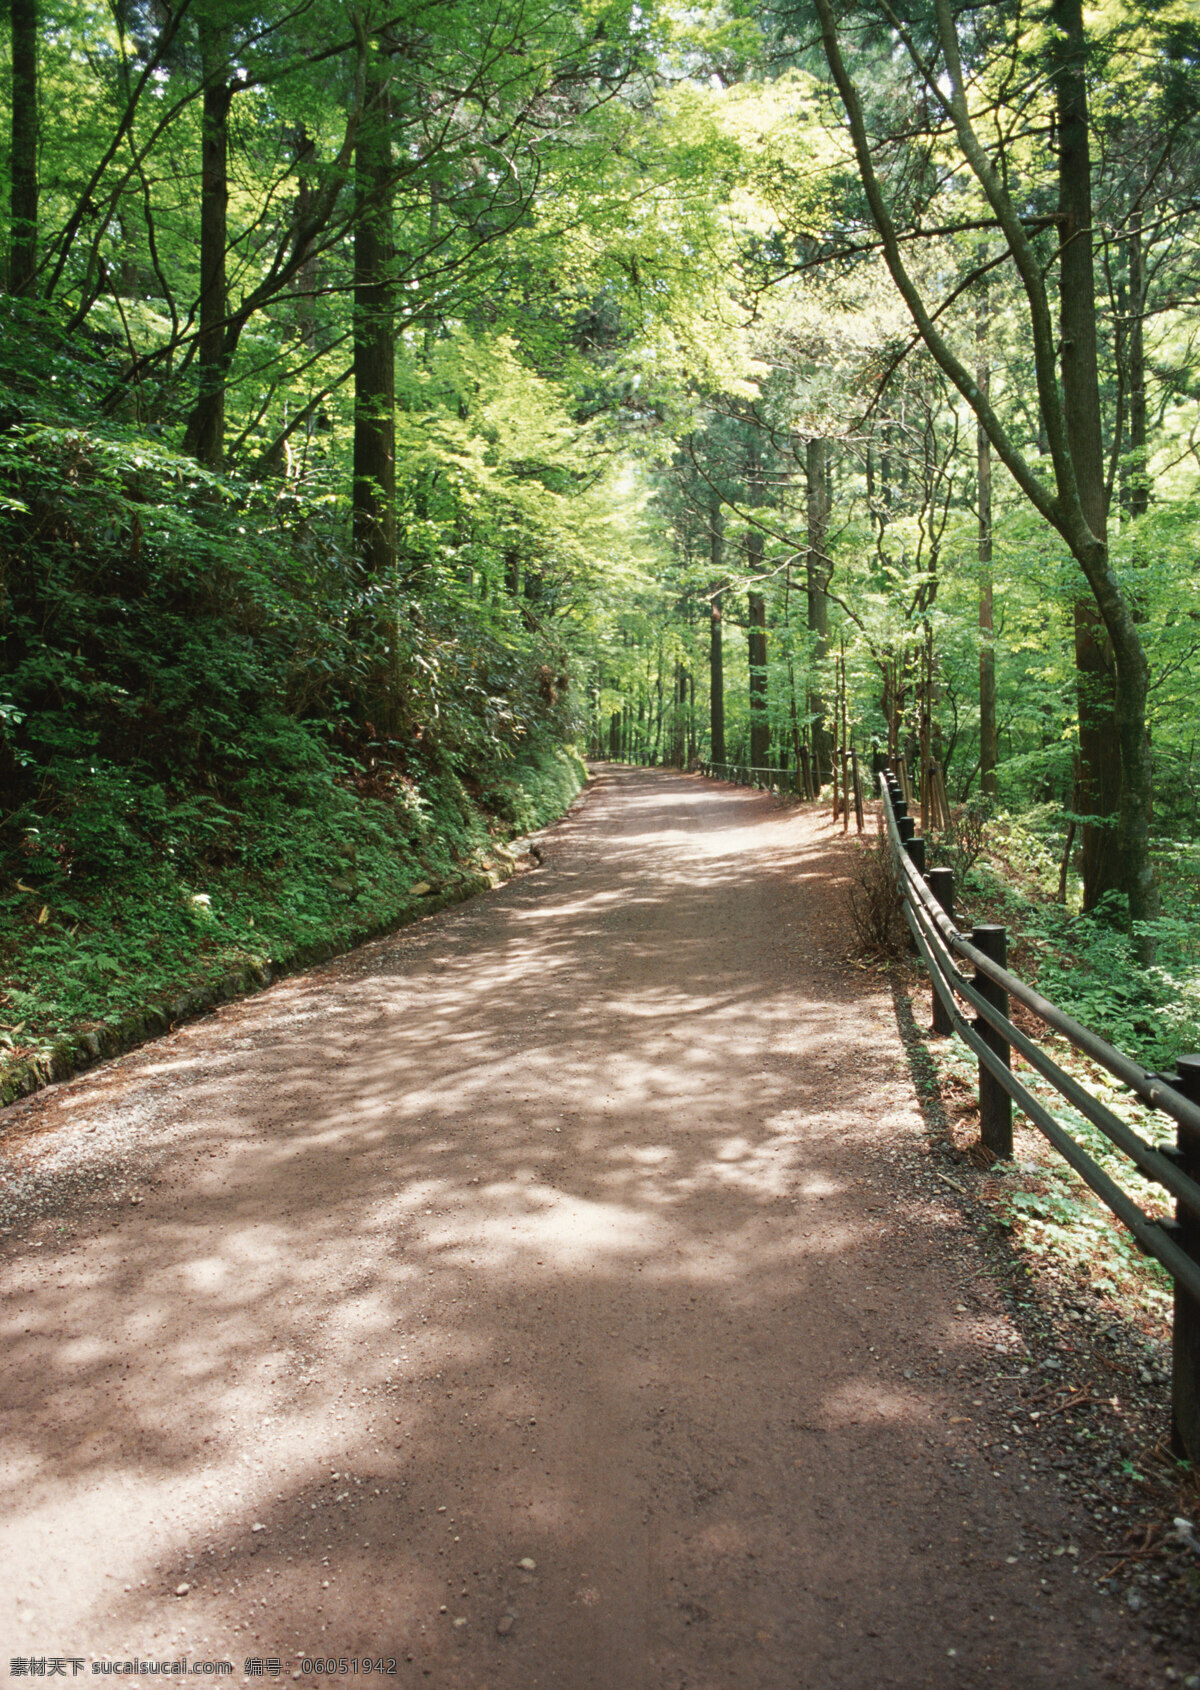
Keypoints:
pixel 716 653
pixel 801 782
pixel 987 617
pixel 817 495
pixel 205 435
pixel 305 281
pixel 925 723
pixel 1099 742
pixel 1139 482
pixel 760 721
pixel 679 717
pixel 845 719
pixel 23 201
pixel 374 493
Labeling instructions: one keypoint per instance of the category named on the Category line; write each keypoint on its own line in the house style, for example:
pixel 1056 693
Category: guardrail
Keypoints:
pixel 847 791
pixel 991 1034
pixel 744 774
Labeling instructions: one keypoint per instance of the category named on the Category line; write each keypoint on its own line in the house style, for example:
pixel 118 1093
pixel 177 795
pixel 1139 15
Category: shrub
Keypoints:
pixel 876 907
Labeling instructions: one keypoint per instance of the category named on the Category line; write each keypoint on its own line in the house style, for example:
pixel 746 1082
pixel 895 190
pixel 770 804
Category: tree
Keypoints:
pixel 716 652
pixel 817 569
pixel 1074 500
pixel 374 483
pixel 23 200
pixel 987 608
pixel 205 434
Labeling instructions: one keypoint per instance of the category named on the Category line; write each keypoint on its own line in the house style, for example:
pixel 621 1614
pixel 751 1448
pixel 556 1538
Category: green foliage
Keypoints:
pixel 959 846
pixel 632 280
pixel 535 789
pixel 1086 963
pixel 190 775
pixel 289 869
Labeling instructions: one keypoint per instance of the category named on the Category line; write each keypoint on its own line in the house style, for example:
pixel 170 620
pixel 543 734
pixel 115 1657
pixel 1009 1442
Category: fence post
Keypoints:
pixel 906 827
pixel 941 884
pixel 1185 1345
pixel 995 1105
pixel 916 851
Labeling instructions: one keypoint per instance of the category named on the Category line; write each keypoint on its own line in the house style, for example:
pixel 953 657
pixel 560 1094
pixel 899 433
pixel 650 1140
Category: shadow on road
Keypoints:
pixel 541 1231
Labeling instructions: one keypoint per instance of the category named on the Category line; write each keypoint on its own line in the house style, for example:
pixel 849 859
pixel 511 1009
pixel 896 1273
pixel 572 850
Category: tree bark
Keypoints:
pixel 817 574
pixel 1139 481
pixel 681 719
pixel 716 652
pixel 374 482
pixel 205 434
pixel 1100 744
pixel 23 201
pixel 760 721
pixel 987 618
pixel 716 683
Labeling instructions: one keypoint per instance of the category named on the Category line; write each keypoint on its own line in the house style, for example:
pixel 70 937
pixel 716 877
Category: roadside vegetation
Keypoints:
pixel 397 405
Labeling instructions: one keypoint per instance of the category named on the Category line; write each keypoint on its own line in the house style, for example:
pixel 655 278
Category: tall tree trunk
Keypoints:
pixel 683 715
pixel 374 490
pixel 1139 483
pixel 987 617
pixel 760 719
pixel 1099 790
pixel 800 783
pixel 305 281
pixel 23 202
pixel 988 743
pixel 817 569
pixel 205 435
pixel 716 683
pixel 1096 684
pixel 678 698
pixel 716 653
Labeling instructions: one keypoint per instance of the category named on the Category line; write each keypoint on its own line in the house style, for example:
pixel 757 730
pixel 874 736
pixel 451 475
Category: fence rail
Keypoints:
pixel 745 774
pixel 992 1035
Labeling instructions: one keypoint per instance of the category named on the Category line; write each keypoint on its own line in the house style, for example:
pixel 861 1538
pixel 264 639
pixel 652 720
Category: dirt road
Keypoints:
pixel 542 1297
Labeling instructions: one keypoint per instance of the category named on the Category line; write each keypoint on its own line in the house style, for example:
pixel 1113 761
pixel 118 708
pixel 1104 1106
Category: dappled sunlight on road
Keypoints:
pixel 489 1242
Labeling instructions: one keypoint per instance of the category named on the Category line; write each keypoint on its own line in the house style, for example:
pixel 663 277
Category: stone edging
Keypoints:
pixel 74 1052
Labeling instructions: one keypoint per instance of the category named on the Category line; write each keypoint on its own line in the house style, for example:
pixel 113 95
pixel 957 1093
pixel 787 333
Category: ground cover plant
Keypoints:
pixel 192 781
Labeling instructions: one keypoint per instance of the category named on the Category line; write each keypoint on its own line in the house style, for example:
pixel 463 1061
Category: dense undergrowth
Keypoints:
pixel 1086 963
pixel 219 739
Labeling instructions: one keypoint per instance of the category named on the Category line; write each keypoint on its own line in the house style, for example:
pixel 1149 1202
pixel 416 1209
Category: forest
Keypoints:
pixel 399 404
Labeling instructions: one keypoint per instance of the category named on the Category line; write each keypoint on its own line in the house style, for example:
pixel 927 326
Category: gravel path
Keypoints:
pixel 546 1296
